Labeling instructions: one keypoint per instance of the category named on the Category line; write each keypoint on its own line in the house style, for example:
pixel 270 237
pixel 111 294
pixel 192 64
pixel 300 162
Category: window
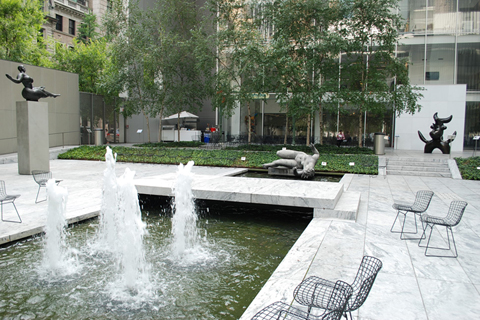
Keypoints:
pixel 59 25
pixel 71 26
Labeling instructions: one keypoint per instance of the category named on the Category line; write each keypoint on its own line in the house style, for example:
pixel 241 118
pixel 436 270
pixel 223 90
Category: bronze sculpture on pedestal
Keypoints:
pixel 29 92
pixel 437 135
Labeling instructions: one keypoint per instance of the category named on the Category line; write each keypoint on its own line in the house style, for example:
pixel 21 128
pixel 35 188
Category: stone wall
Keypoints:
pixel 447 100
pixel 63 111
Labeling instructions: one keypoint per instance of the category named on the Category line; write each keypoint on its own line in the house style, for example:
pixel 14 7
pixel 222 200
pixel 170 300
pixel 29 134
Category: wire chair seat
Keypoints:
pixel 8 198
pixel 41 177
pixel 453 217
pixel 337 302
pixel 312 292
pixel 420 205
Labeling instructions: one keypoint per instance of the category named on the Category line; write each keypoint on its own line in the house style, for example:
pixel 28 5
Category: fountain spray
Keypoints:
pixel 184 221
pixel 54 257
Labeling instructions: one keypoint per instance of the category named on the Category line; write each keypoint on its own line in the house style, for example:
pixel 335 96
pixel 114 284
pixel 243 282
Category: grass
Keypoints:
pixel 468 167
pixel 236 157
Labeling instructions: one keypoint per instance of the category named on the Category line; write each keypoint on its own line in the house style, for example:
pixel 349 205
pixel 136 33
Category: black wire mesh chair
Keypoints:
pixel 312 292
pixel 453 217
pixel 337 302
pixel 41 177
pixel 420 205
pixel 8 198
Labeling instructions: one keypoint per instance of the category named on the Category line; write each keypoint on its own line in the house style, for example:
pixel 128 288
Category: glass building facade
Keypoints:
pixel 441 39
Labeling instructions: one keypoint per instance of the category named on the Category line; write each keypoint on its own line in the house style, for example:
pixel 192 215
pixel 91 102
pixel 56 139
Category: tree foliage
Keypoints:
pixel 305 48
pixel 88 29
pixel 20 38
pixel 155 58
pixel 315 55
pixel 132 69
pixel 244 72
pixel 88 60
pixel 373 79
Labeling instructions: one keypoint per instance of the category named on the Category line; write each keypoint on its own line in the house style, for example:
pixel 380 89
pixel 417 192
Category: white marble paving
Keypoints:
pixel 410 285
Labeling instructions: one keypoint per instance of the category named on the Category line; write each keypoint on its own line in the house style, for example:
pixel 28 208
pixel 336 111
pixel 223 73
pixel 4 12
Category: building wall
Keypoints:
pixel 63 111
pixel 68 10
pixel 138 122
pixel 446 100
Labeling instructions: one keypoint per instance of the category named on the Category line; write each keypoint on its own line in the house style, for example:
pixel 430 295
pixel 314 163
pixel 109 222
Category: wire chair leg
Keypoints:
pixel 38 192
pixel 346 315
pixel 402 237
pixel 427 247
pixel 395 221
pixel 19 219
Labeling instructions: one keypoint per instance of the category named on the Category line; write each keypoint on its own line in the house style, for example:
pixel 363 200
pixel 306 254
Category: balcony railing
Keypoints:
pixel 80 5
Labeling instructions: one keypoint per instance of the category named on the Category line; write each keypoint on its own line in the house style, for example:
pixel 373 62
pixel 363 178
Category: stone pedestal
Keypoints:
pixel 281 171
pixel 32 136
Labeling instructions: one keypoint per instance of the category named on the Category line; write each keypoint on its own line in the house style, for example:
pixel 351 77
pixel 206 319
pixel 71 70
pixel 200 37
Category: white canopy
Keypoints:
pixel 183 114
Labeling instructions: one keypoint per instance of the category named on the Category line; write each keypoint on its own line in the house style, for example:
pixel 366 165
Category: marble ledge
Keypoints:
pixel 311 194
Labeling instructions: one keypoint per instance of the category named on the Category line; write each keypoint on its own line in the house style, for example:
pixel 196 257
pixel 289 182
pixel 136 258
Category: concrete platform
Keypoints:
pixel 326 198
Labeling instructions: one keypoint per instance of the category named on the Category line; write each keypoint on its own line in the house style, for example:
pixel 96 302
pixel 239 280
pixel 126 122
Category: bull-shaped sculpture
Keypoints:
pixel 437 135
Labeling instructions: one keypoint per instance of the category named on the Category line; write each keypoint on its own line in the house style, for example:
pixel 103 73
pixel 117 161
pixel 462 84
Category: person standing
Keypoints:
pixel 340 138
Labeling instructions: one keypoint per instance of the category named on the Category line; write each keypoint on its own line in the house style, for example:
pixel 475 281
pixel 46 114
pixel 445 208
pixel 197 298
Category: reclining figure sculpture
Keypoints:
pixel 29 92
pixel 437 136
pixel 303 165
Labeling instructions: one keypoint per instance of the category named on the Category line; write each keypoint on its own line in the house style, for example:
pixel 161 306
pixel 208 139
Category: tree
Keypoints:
pixel 305 49
pixel 183 57
pixel 370 63
pixel 88 28
pixel 131 70
pixel 155 58
pixel 244 70
pixel 20 39
pixel 88 60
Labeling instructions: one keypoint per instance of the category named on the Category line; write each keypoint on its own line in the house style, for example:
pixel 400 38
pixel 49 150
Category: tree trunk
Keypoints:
pixel 148 124
pixel 178 126
pixel 286 129
pixel 160 131
pixel 360 128
pixel 320 122
pixel 309 128
pixel 249 123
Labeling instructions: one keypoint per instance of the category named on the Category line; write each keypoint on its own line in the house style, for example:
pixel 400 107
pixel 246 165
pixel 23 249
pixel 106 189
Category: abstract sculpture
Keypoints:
pixel 437 135
pixel 29 92
pixel 296 160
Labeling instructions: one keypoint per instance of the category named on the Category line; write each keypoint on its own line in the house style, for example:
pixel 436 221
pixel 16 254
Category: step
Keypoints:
pixel 346 207
pixel 427 160
pixel 420 173
pixel 418 168
pixel 417 163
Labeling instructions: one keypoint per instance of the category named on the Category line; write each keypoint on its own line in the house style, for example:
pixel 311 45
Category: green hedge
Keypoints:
pixel 328 149
pixel 364 164
pixel 181 144
pixel 323 149
pixel 468 167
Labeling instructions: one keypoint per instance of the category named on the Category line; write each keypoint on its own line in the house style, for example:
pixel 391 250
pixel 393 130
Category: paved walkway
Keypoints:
pixel 409 286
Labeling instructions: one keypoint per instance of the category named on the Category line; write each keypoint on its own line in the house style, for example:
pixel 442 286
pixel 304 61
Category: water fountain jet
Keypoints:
pixel 57 257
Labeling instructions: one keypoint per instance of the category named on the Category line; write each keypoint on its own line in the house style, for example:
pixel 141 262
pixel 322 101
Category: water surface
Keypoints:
pixel 241 247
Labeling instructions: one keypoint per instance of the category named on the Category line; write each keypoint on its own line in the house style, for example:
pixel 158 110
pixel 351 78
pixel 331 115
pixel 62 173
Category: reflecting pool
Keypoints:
pixel 242 246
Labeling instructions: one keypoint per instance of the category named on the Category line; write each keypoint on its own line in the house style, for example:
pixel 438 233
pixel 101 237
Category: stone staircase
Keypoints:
pixel 418 167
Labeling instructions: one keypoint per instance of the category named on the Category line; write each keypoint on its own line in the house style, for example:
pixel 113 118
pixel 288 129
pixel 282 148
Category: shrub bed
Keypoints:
pixel 468 167
pixel 363 164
